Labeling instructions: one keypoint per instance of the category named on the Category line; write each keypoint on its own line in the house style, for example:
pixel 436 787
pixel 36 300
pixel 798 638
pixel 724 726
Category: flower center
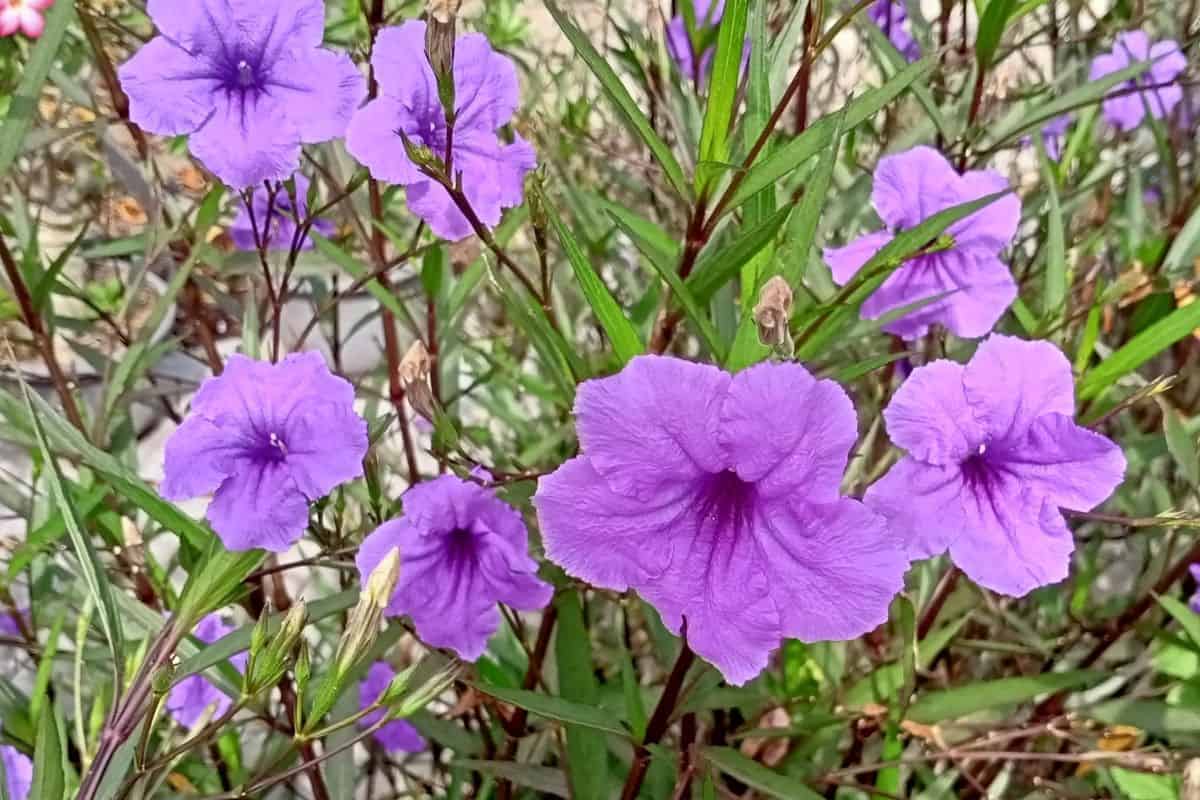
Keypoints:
pixel 460 545
pixel 245 74
pixel 277 447
pixel 726 504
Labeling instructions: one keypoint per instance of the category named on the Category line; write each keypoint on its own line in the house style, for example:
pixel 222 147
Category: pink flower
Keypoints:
pixel 23 15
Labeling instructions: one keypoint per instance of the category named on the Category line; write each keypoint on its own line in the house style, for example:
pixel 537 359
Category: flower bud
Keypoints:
pixel 164 676
pixel 773 312
pixel 428 691
pixel 439 49
pixel 381 584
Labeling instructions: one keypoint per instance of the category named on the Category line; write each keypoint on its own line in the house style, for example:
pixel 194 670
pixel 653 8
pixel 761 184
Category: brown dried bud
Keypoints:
pixel 414 377
pixel 439 48
pixel 773 312
pixel 443 11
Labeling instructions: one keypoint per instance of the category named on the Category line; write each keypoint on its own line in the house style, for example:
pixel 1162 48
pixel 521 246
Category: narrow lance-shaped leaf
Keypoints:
pixel 722 93
pixel 621 99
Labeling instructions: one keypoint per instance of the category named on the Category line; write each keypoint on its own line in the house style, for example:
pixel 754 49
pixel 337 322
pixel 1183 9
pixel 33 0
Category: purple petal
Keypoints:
pixel 327 443
pixel 930 418
pixel 994 226
pixel 922 505
pixel 493 173
pixel 326 85
pixel 391 535
pixel 1135 45
pixel 259 506
pixel 1010 382
pixel 199 456
pixel 247 141
pixel 786 432
pixel 910 186
pixel 373 141
pixel 654 426
pixel 833 568
pixel 719 583
pixel 1070 466
pixel 1015 543
pixel 399 736
pixel 845 262
pixel 1169 61
pixel 170 91
pixel 402 68
pixel 191 697
pixel 271 27
pixel 429 201
pixel 18 772
pixel 607 539
pixel 485 85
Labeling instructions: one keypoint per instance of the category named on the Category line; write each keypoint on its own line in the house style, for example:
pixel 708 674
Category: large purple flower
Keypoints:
pixel 268 439
pixel 248 81
pixel 189 699
pixel 966 287
pixel 18 772
pixel 891 16
pixel 462 550
pixel 716 497
pixel 278 234
pixel 486 94
pixel 399 735
pixel 1125 108
pixel 993 454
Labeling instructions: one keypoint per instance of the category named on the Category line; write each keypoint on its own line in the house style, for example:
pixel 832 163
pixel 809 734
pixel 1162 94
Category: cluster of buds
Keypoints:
pixel 273 651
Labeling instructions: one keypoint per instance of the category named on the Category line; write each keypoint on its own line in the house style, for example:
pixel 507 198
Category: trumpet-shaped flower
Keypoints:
pixel 965 287
pixel 248 81
pixel 267 440
pixel 1126 106
pixel 716 497
pixel 462 551
pixel 399 735
pixel 993 454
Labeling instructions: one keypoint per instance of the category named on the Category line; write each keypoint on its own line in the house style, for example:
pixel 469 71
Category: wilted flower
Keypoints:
pixel 18 772
pixel 993 454
pixel 397 735
pixel 966 287
pixel 716 497
pixel 281 230
pixel 189 699
pixel 486 92
pixel 24 16
pixel 891 16
pixel 248 81
pixel 267 439
pixel 462 550
pixel 1124 107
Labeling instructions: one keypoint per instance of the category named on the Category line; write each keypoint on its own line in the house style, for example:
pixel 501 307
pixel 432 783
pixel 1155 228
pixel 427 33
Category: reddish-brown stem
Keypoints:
pixel 660 721
pixel 41 337
pixel 533 674
pixel 941 594
pixel 805 74
pixel 109 75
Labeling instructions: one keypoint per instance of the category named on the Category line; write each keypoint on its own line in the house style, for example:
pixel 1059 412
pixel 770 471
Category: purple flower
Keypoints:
pixel 10 623
pixel 1194 602
pixel 189 699
pixel 18 772
pixel 1053 133
pixel 716 497
pixel 267 439
pixel 486 92
pixel 1125 109
pixel 248 81
pixel 397 735
pixel 284 219
pixel 967 286
pixel 993 454
pixel 890 16
pixel 462 551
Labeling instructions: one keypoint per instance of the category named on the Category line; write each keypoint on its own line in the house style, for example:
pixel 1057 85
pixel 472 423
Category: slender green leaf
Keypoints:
pixel 1140 349
pixel 716 268
pixel 625 341
pixel 22 107
pixel 556 708
pixel 1054 287
pixel 94 575
pixel 961 701
pixel 587 751
pixel 756 776
pixel 991 28
pixel 561 360
pixel 692 307
pixel 49 782
pixel 621 99
pixel 1181 443
pixel 1185 248
pixel 818 136
pixel 546 780
pixel 1188 620
pixel 722 93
